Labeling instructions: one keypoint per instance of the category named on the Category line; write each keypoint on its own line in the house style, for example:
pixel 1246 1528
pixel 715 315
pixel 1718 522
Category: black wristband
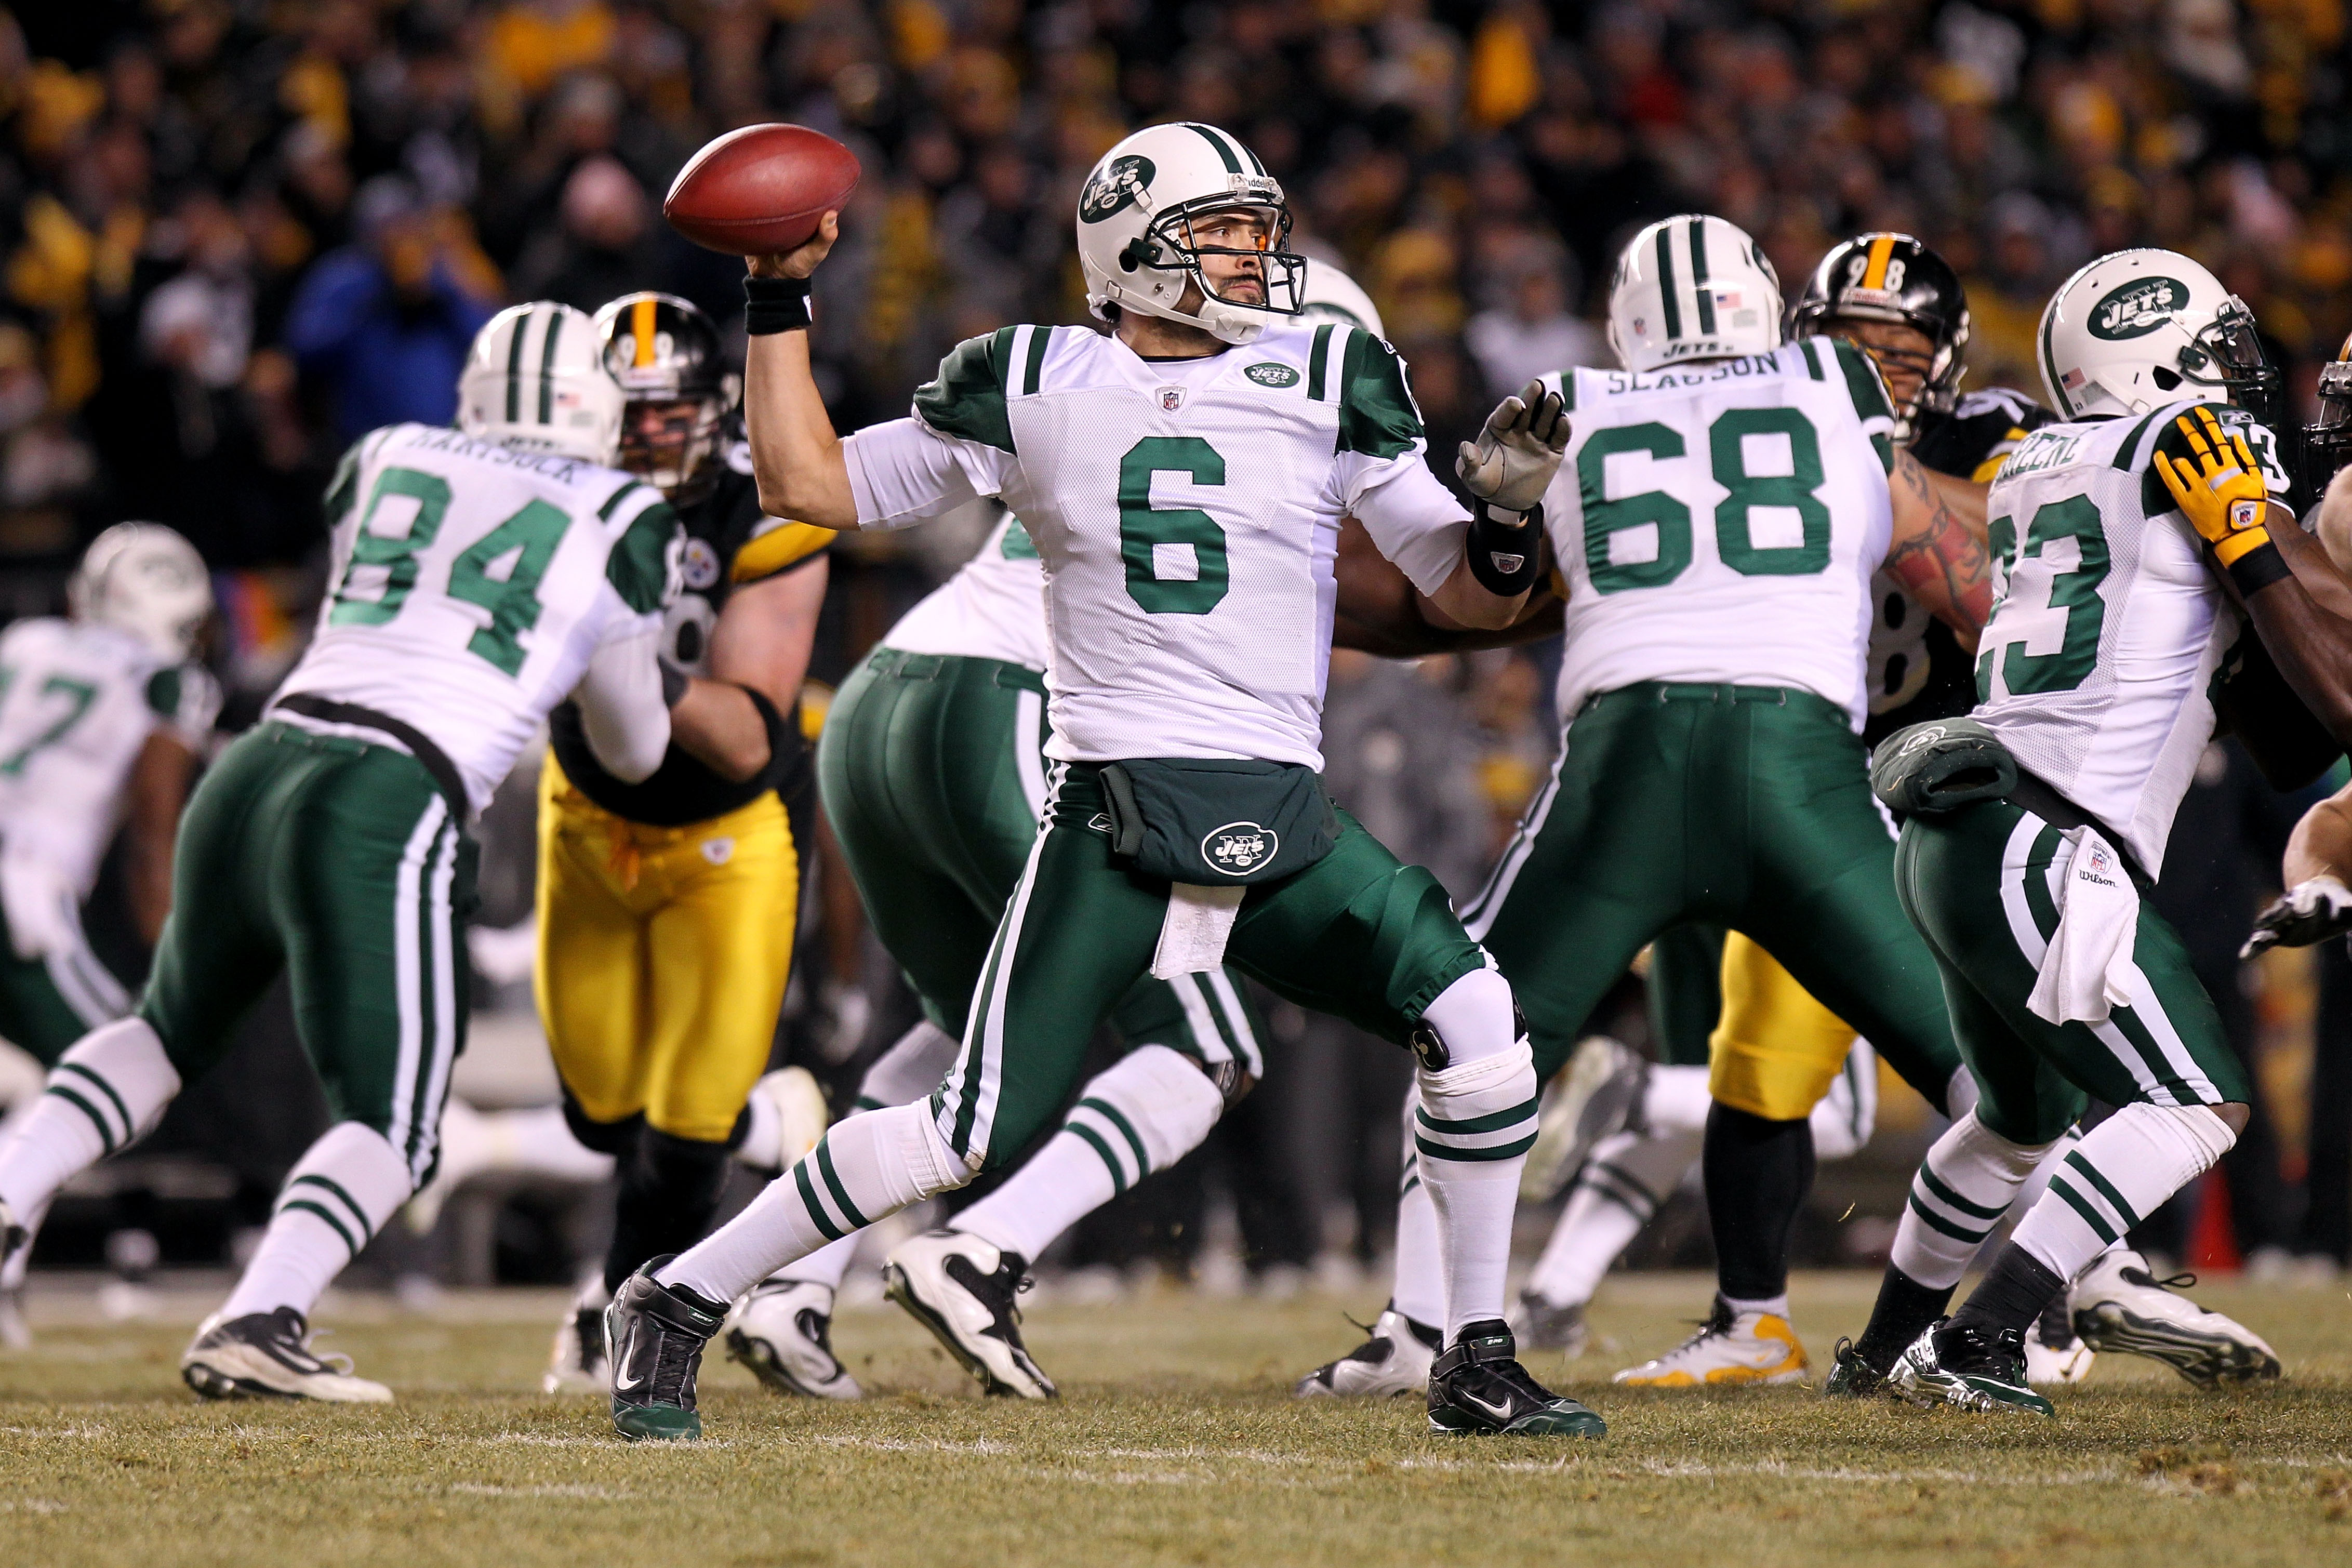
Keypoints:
pixel 775 305
pixel 674 680
pixel 1503 558
pixel 2259 568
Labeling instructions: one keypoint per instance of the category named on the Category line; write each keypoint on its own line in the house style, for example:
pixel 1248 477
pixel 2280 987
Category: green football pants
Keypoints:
pixel 340 864
pixel 933 774
pixel 1745 807
pixel 1978 884
pixel 1685 992
pixel 1357 935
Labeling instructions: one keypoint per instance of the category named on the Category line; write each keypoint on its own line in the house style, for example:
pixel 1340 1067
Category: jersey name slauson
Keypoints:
pixel 470 583
pixel 1186 514
pixel 1722 522
pixel 2096 668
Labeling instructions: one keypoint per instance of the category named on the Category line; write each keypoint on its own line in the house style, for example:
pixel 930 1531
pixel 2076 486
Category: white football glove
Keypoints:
pixel 1512 462
pixel 2309 912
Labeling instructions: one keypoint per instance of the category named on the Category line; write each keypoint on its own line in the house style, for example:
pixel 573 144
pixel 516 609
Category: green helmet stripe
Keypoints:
pixel 1666 283
pixel 1224 149
pixel 2050 370
pixel 547 367
pixel 514 370
pixel 1699 277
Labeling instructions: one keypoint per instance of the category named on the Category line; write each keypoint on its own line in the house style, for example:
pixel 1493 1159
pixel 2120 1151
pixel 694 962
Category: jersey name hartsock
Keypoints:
pixel 470 583
pixel 1186 513
pixel 1720 523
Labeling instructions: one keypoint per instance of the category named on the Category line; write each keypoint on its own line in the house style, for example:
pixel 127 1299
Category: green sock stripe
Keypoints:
pixel 105 1134
pixel 1117 1176
pixel 307 1206
pixel 2081 1205
pixel 1109 1113
pixel 832 1184
pixel 1493 1121
pixel 105 1088
pixel 1951 1199
pixel 2106 1188
pixel 1934 1221
pixel 1409 1183
pixel 1499 1152
pixel 817 1215
pixel 367 1231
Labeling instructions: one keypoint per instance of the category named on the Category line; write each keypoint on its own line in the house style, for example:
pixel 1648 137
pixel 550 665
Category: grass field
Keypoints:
pixel 1176 1442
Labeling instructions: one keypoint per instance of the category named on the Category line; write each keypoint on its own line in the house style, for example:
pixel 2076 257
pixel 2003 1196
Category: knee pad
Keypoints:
pixel 1473 1019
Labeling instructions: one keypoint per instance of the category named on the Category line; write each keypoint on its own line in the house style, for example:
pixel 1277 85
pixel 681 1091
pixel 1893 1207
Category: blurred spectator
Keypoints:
pixel 1529 332
pixel 605 246
pixel 385 323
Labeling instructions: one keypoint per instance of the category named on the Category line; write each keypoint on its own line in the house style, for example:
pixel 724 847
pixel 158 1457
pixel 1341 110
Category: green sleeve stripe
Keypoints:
pixel 1698 277
pixel 1568 389
pixel 1812 358
pixel 1033 373
pixel 343 490
pixel 1666 284
pixel 1316 354
pixel 1862 382
pixel 1377 416
pixel 966 399
pixel 2123 460
pixel 1884 444
pixel 547 367
pixel 605 514
pixel 1224 149
pixel 638 567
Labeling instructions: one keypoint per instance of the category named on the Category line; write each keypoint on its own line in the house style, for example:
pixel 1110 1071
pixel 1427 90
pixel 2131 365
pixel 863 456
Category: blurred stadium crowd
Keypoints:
pixel 235 234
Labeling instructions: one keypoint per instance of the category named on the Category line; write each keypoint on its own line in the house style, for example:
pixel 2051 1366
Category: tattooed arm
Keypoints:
pixel 1938 552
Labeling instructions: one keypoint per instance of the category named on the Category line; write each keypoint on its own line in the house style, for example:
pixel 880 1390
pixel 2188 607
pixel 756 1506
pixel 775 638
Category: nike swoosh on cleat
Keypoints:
pixel 1499 1412
pixel 622 1382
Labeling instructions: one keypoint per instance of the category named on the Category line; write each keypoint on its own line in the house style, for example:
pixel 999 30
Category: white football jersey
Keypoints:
pixel 2096 669
pixel 471 584
pixel 77 701
pixel 994 608
pixel 1186 513
pixel 1720 523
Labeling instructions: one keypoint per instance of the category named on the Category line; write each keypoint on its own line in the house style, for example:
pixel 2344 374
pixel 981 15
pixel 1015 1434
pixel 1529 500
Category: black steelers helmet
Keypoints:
pixel 664 353
pixel 1893 278
pixel 2328 443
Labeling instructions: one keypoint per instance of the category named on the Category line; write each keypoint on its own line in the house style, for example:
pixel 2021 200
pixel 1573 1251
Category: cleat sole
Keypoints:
pixel 2208 1361
pixel 895 1286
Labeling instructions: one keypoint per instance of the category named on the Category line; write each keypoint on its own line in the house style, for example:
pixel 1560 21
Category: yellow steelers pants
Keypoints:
pixel 663 954
pixel 1776 1050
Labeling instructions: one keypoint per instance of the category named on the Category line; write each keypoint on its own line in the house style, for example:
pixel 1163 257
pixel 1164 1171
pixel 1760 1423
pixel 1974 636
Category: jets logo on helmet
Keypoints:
pixel 1892 280
pixel 2139 329
pixel 535 381
pixel 144 579
pixel 1692 288
pixel 1137 217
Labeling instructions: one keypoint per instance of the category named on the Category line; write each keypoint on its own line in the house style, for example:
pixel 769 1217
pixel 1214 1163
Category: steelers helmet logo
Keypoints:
pixel 701 565
pixel 1239 848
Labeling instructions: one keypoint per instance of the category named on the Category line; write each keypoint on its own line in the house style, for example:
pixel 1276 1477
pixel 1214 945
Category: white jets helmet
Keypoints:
pixel 1135 229
pixel 536 381
pixel 1690 288
pixel 2139 329
pixel 1332 296
pixel 144 579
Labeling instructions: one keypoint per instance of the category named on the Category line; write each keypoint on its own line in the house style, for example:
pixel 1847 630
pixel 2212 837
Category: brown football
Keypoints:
pixel 760 189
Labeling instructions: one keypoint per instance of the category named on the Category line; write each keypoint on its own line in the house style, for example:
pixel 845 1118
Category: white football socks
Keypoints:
pixel 2124 1167
pixel 1419 1291
pixel 1146 1111
pixel 1472 1132
pixel 345 1186
pixel 1964 1185
pixel 104 1094
pixel 1677 1099
pixel 1618 1192
pixel 910 1068
pixel 866 1167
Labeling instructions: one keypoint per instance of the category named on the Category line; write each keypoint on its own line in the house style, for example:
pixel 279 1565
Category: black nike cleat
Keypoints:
pixel 1477 1388
pixel 1960 1364
pixel 1851 1377
pixel 966 1291
pixel 655 1334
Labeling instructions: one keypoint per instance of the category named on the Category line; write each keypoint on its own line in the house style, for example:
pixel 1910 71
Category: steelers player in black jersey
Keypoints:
pixel 667 908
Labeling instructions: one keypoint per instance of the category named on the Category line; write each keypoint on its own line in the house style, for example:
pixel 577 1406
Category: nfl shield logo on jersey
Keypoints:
pixel 1171 398
pixel 1239 848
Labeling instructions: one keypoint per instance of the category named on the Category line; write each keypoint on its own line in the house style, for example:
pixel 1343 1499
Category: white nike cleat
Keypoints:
pixel 789 1116
pixel 1395 1359
pixel 2119 1306
pixel 1594 1095
pixel 2054 1352
pixel 267 1355
pixel 783 1331
pixel 577 1362
pixel 965 1291
pixel 1729 1348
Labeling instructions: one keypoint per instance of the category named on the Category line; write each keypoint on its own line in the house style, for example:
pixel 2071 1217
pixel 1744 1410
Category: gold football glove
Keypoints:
pixel 2222 493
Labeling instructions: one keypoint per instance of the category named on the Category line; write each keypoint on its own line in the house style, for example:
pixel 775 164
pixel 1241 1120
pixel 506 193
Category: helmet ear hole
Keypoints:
pixel 1136 253
pixel 2165 379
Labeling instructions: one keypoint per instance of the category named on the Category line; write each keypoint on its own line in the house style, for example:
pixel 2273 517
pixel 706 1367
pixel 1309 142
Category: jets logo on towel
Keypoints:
pixel 1239 848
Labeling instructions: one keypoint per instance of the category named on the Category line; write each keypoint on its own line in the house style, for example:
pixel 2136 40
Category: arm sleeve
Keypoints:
pixel 1414 520
pixel 620 697
pixel 903 471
